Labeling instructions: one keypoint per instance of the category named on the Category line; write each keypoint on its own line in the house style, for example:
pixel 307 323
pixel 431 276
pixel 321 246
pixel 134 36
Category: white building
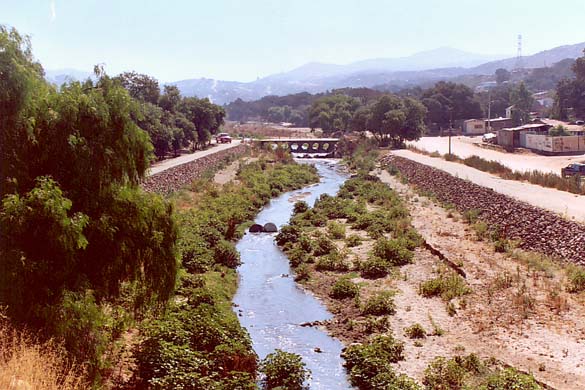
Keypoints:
pixel 474 126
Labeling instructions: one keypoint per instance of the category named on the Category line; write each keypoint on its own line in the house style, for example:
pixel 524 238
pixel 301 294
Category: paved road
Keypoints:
pixel 564 203
pixel 173 162
pixel 467 146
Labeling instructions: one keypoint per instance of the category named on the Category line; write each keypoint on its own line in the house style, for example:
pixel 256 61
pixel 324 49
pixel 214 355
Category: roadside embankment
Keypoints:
pixel 176 177
pixel 536 229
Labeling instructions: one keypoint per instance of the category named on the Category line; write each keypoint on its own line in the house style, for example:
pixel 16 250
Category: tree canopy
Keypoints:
pixel 72 215
pixel 570 97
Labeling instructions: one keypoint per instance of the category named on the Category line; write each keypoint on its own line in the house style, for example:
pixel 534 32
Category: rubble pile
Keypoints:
pixel 177 177
pixel 537 229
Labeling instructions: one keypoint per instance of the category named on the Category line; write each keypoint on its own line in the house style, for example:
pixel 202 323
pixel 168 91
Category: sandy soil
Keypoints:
pixel 230 172
pixel 468 146
pixel 563 203
pixel 518 313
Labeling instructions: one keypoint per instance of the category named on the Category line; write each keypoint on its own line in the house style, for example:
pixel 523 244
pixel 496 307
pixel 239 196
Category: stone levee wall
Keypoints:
pixel 177 177
pixel 537 229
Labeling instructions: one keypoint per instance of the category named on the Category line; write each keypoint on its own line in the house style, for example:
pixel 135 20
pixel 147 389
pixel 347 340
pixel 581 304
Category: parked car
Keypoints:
pixel 489 137
pixel 573 169
pixel 223 138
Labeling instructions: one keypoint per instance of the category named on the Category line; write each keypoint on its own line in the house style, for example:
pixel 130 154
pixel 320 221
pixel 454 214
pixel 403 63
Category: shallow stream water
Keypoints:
pixel 271 306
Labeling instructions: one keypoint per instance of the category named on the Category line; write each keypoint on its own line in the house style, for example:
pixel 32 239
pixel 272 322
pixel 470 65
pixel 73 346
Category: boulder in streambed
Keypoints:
pixel 256 228
pixel 270 228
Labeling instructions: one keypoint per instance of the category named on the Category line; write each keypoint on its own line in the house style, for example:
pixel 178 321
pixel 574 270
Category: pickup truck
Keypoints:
pixel 573 170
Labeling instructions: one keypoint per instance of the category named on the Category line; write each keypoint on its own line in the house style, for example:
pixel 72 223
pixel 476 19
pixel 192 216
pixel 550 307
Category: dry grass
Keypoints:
pixel 26 364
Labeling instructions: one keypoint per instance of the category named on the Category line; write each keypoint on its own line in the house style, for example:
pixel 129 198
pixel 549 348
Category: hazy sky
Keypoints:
pixel 244 39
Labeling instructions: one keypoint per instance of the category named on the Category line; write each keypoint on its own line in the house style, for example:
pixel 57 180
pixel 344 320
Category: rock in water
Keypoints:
pixel 270 228
pixel 256 228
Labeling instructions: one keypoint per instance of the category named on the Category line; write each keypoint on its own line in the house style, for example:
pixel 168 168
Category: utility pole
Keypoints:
pixel 489 126
pixel 450 128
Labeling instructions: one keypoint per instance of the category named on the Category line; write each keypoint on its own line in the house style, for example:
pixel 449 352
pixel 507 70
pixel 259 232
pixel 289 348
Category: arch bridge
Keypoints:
pixel 302 145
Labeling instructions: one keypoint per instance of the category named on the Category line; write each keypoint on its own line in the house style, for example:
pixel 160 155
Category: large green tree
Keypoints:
pixel 570 96
pixel 394 120
pixel 447 102
pixel 72 216
pixel 333 113
pixel 522 100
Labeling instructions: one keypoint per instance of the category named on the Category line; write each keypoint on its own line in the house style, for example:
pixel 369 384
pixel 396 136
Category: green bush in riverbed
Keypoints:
pixel 370 365
pixel 344 288
pixel 394 252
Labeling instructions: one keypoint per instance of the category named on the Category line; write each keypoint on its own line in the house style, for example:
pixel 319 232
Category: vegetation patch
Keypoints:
pixel 447 285
pixel 370 364
pixel 382 303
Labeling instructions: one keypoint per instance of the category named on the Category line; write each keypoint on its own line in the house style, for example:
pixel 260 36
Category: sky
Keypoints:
pixel 246 39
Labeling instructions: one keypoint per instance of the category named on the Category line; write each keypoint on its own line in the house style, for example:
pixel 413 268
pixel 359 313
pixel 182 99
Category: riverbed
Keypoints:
pixel 272 307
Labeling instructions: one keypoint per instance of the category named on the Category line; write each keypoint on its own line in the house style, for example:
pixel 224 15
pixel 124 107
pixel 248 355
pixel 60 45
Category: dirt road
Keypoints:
pixel 468 146
pixel 173 162
pixel 569 205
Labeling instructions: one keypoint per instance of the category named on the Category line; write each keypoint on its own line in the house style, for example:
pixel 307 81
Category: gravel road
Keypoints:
pixel 566 204
pixel 173 162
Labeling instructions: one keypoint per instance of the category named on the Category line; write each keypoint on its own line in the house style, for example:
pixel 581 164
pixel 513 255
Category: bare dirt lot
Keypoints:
pixel 469 146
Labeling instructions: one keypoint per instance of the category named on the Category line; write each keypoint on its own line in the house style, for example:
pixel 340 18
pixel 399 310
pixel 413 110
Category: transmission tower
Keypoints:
pixel 519 62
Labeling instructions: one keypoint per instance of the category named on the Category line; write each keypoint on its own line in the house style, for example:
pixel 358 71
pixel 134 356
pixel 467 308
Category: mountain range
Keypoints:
pixel 424 67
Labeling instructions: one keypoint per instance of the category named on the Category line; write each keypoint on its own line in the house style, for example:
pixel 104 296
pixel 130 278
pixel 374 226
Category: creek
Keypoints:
pixel 272 307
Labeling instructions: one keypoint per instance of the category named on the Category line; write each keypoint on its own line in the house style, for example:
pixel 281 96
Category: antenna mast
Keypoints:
pixel 519 62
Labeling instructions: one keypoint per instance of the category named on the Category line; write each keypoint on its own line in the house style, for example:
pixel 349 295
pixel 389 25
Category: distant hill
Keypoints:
pixel 538 60
pixel 421 68
pixel 60 76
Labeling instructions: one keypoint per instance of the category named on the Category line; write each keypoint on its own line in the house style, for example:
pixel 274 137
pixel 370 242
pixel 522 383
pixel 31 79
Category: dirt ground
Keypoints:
pixel 517 312
pixel 468 146
pixel 230 172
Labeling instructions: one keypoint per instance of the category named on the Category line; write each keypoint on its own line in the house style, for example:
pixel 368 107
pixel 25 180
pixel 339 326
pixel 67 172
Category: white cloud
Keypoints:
pixel 53 13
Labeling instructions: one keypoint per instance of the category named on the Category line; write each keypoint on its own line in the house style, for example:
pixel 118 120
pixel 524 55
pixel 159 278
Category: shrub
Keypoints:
pixel 511 379
pixel 370 364
pixel 374 267
pixel 287 233
pixel 336 230
pixel 576 276
pixel 323 246
pixel 415 331
pixel 225 253
pixel 393 252
pixel 305 243
pixel 302 272
pixel 353 240
pixel 344 288
pixel 334 261
pixel 444 374
pixel 446 286
pixel 284 370
pixel 296 256
pixel 380 304
pixel 87 330
pixel 300 207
